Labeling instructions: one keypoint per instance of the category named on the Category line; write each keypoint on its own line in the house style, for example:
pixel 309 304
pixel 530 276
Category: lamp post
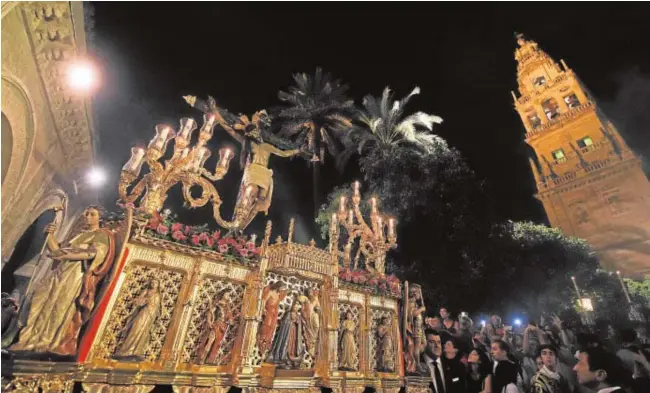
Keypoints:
pixel 585 304
pixel 634 314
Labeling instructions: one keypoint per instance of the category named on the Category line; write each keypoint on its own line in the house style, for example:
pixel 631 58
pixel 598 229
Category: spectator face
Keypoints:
pixel 443 313
pixel 473 357
pixel 585 375
pixel 450 350
pixel 549 359
pixel 434 347
pixel 498 353
pixel 539 363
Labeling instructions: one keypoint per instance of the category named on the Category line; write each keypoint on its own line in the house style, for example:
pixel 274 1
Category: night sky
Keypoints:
pixel 461 56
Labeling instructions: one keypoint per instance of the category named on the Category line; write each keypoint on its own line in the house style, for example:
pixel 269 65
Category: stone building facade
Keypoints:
pixel 589 180
pixel 47 136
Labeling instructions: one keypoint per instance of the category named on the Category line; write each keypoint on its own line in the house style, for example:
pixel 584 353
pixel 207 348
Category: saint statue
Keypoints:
pixel 256 190
pixel 64 300
pixel 348 346
pixel 385 348
pixel 271 299
pixel 217 322
pixel 140 323
pixel 415 339
pixel 310 310
pixel 288 346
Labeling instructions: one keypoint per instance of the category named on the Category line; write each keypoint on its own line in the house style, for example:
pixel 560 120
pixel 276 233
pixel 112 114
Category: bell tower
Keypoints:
pixel 591 184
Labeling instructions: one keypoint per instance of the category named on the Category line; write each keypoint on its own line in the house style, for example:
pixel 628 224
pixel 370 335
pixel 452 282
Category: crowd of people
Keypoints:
pixel 549 357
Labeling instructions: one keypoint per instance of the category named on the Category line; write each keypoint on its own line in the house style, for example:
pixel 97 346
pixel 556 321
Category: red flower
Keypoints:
pixel 216 235
pixel 195 240
pixel 178 235
pixel 223 248
pixel 204 237
pixel 153 223
pixel 163 230
pixel 177 227
pixel 223 242
pixel 188 230
pixel 209 242
pixel 243 252
pixel 250 245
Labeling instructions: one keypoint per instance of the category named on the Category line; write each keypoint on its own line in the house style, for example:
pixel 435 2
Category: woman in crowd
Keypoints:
pixel 479 372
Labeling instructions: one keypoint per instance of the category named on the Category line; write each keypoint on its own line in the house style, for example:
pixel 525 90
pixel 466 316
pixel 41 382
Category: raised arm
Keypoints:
pixel 283 153
pixel 210 107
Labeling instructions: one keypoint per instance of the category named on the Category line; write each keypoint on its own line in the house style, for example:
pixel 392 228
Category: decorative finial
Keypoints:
pixel 312 243
pixel 190 100
pixel 278 239
pixel 291 225
pixel 267 232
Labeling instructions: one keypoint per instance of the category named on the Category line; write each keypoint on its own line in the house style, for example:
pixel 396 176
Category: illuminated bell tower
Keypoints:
pixel 591 184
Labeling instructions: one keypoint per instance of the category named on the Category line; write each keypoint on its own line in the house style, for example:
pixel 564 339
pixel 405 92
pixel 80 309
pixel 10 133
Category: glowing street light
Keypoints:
pixel 517 322
pixel 82 76
pixel 96 177
pixel 483 322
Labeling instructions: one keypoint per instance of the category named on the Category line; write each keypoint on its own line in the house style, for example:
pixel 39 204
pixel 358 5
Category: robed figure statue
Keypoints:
pixel 218 320
pixel 385 348
pixel 288 346
pixel 64 300
pixel 140 323
pixel 348 346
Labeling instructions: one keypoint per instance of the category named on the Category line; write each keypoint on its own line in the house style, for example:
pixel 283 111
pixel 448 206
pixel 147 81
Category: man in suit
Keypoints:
pixel 601 371
pixel 446 377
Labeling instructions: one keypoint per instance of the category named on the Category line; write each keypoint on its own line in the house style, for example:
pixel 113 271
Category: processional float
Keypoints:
pixel 141 301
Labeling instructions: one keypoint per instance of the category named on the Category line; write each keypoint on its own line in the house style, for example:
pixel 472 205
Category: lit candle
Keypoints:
pixel 342 204
pixel 350 217
pixel 208 123
pixel 200 156
pixel 334 220
pixel 163 135
pixel 380 227
pixel 134 165
pixel 391 227
pixel 356 188
pixel 187 126
pixel 373 204
pixel 225 155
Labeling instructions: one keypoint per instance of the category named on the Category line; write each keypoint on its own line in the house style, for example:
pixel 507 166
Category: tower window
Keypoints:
pixel 558 155
pixel 534 120
pixel 539 81
pixel 551 108
pixel 585 144
pixel 572 101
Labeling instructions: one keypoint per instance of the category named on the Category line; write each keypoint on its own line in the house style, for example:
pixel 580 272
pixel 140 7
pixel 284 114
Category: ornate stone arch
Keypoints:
pixel 19 112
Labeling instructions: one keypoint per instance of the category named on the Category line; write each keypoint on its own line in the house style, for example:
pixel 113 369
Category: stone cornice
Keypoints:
pixel 53 28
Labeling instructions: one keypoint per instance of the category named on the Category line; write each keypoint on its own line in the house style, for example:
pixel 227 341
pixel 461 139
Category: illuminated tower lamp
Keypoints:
pixel 82 76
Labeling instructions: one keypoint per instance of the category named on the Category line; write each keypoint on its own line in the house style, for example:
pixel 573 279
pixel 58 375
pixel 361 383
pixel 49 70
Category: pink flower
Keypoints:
pixel 195 240
pixel 243 252
pixel 178 235
pixel 222 242
pixel 188 229
pixel 348 275
pixel 209 242
pixel 216 235
pixel 177 227
pixel 161 229
pixel 250 245
pixel 223 248
pixel 204 237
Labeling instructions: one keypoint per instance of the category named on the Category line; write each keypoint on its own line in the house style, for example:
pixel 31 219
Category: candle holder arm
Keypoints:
pixel 125 181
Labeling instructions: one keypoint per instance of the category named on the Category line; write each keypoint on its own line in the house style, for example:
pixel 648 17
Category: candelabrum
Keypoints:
pixel 373 239
pixel 186 166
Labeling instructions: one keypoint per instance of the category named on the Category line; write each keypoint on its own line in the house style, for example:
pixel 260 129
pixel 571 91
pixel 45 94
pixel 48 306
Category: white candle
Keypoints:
pixel 225 155
pixel 186 132
pixel 134 164
pixel 356 188
pixel 200 156
pixel 342 204
pixel 159 142
pixel 350 217
pixel 391 227
pixel 373 204
pixel 334 220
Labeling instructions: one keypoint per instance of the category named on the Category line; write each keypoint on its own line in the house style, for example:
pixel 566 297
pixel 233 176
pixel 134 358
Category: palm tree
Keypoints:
pixel 384 127
pixel 317 116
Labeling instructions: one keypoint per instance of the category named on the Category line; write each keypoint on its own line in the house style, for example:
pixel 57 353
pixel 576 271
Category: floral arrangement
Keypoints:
pixel 383 284
pixel 165 227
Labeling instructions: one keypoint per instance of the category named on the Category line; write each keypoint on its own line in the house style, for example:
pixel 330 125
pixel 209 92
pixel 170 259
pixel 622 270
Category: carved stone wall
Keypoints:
pixel 51 127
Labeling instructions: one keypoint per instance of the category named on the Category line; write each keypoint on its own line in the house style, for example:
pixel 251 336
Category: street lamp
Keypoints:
pixel 96 177
pixel 82 76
